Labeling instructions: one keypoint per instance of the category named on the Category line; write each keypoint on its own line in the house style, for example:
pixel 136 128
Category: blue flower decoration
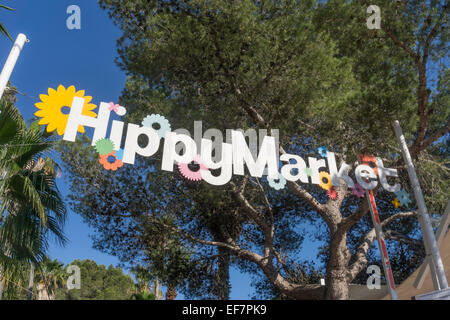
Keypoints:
pixel 164 125
pixel 322 151
pixel 277 185
pixel 119 154
pixel 403 197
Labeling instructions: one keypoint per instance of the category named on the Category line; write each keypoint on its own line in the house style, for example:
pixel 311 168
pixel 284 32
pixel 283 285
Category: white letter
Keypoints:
pixel 132 146
pixel 170 155
pixel 225 163
pixel 315 165
pixel 267 155
pixel 276 134
pixel 331 159
pixel 384 173
pixel 180 148
pixel 300 165
pixel 343 174
pixel 373 22
pixel 216 142
pixel 74 21
pixel 366 177
pixel 116 133
pixel 76 119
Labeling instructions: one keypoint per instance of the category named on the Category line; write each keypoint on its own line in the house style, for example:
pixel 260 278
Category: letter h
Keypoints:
pixel 76 119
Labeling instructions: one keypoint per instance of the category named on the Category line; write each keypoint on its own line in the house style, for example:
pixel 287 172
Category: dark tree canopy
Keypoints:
pixel 314 71
pixel 99 283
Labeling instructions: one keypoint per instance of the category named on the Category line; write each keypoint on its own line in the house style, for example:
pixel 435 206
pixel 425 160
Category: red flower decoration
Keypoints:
pixel 332 194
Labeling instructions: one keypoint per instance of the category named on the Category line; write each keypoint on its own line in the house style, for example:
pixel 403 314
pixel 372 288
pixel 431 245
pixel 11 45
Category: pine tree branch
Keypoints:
pixel 249 209
pixel 432 35
pixel 428 141
pixel 396 236
pixel 233 247
pixel 400 43
pixel 360 256
pixel 260 122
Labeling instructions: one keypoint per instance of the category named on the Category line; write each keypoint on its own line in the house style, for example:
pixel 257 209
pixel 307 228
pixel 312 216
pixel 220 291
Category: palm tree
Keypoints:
pixel 143 296
pixel 145 279
pixel 171 293
pixel 2 27
pixel 31 207
pixel 31 282
pixel 51 276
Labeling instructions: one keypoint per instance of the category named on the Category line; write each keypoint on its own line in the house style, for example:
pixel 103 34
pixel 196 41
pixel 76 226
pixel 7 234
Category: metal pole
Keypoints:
pixel 440 234
pixel 11 62
pixel 382 246
pixel 381 243
pixel 427 229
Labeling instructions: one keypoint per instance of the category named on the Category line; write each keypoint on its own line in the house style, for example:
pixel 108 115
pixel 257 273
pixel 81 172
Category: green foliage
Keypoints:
pixel 50 276
pixel 120 211
pixel 31 208
pixel 147 284
pixel 143 296
pixel 2 27
pixel 311 69
pixel 50 282
pixel 99 283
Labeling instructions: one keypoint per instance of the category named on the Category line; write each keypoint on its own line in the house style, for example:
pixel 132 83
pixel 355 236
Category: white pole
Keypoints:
pixel 425 221
pixel 11 62
pixel 381 243
pixel 440 234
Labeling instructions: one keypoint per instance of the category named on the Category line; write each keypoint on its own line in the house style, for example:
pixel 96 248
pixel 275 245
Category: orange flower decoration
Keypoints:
pixel 110 161
pixel 371 162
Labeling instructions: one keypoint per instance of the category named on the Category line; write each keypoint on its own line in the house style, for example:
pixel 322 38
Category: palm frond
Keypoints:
pixel 7 8
pixel 31 207
pixel 2 27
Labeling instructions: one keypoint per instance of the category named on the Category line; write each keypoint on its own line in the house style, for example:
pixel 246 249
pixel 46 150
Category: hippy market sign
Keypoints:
pixel 234 155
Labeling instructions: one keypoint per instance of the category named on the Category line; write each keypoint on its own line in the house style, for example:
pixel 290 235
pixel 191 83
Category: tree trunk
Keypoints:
pixel 222 281
pixel 336 282
pixel 1 288
pixel 31 282
pixel 157 291
pixel 2 284
pixel 221 285
pixel 39 289
pixel 42 291
pixel 171 293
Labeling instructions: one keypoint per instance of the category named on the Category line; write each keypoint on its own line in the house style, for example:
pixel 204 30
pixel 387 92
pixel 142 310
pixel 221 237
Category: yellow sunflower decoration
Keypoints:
pixel 325 180
pixel 52 105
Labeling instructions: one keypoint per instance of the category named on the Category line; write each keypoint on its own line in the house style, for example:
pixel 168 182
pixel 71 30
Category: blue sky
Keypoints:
pixel 83 58
pixel 55 55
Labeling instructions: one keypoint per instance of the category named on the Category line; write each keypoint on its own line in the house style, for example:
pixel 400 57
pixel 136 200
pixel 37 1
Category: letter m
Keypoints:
pixel 267 156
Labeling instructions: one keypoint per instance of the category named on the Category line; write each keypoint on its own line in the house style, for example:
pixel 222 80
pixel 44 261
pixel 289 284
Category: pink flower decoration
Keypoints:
pixel 358 191
pixel 113 107
pixel 188 173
